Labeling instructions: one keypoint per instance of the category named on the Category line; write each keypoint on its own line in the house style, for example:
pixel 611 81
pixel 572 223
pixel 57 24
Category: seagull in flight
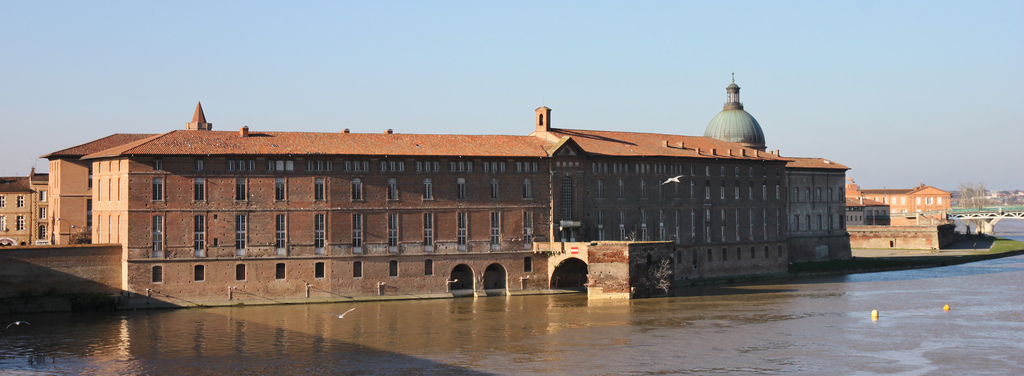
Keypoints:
pixel 672 180
pixel 16 323
pixel 341 316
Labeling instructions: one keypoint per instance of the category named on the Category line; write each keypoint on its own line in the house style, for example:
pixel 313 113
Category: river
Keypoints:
pixel 807 326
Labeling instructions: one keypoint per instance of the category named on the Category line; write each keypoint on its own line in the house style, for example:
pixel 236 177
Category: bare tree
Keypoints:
pixel 972 195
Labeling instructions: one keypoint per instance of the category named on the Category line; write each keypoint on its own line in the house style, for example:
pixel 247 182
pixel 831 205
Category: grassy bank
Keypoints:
pixel 1000 248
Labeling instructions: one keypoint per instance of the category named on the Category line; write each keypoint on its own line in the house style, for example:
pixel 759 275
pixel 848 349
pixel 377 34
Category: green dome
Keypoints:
pixel 734 124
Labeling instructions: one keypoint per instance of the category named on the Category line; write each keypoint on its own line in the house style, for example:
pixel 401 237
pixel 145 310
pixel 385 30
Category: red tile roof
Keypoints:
pixel 628 144
pixel 186 142
pixel 97 145
pixel 14 184
pixel 866 202
pixel 798 162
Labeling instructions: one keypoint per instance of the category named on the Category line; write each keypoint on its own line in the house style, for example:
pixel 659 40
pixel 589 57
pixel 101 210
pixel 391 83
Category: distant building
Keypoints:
pixel 866 212
pixel 24 210
pixel 914 206
pixel 816 208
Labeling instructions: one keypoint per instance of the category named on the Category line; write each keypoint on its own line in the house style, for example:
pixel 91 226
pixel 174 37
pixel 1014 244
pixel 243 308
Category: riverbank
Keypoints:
pixel 879 260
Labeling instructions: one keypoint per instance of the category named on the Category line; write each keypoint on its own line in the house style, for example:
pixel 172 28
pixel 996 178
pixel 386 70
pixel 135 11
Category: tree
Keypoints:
pixel 972 195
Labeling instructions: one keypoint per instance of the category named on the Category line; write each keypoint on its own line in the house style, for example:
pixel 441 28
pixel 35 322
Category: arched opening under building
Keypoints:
pixel 494 277
pixel 461 278
pixel 571 273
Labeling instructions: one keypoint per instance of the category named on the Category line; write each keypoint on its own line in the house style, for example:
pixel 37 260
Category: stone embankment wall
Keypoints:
pixel 902 237
pixel 59 278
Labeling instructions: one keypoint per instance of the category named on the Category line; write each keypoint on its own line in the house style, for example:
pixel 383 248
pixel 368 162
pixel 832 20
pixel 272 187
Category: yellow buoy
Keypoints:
pixel 946 307
pixel 874 314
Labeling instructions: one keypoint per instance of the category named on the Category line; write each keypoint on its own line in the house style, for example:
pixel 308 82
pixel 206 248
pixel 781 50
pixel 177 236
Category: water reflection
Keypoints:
pixel 807 326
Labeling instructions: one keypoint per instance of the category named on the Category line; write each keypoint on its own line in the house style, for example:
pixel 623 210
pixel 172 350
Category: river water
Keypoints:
pixel 810 326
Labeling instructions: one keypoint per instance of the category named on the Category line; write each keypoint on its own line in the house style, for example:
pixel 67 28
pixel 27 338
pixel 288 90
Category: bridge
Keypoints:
pixel 986 216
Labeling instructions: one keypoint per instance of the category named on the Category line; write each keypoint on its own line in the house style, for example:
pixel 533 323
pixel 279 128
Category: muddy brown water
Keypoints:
pixel 807 326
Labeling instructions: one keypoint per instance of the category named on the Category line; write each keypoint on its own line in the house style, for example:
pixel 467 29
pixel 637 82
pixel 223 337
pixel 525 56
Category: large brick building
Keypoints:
pixel 213 215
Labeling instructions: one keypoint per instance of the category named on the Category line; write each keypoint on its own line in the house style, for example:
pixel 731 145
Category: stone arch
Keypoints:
pixel 495 277
pixel 571 273
pixel 461 277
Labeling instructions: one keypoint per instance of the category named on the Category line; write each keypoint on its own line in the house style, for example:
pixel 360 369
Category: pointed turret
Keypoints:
pixel 199 120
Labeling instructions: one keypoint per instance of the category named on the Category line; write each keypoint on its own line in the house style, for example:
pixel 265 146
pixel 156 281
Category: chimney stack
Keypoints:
pixel 389 131
pixel 345 131
pixel 243 131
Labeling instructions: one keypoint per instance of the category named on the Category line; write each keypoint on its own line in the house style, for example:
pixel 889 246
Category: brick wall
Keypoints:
pixel 902 237
pixel 56 270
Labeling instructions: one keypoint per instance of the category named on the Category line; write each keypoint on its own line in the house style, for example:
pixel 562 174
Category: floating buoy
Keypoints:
pixel 946 307
pixel 874 314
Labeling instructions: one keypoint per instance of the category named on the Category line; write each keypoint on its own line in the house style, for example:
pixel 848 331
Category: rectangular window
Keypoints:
pixel 158 236
pixel 42 196
pixel 600 188
pixel 199 236
pixel 495 230
pixel 462 223
pixel 3 223
pixel 240 227
pixel 42 213
pixel 357 231
pixel 280 234
pixel 240 192
pixel 428 232
pixel 319 233
pixel 239 272
pixel 3 201
pixel 428 189
pixel 622 188
pixel 279 189
pixel 318 270
pixel 199 164
pixel 279 270
pixel 528 230
pixel 622 225
pixel 393 232
pixel 392 189
pixel 460 192
pixel 393 268
pixel 527 264
pixel 528 188
pixel 158 165
pixel 428 267
pixel 357 189
pixel 494 188
pixel 199 273
pixel 357 269
pixel 158 189
pixel 199 189
pixel 158 274
pixel 318 189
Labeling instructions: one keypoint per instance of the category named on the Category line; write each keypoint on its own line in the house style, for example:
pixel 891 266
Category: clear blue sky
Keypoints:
pixel 903 92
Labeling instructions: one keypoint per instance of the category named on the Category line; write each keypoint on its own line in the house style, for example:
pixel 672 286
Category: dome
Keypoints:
pixel 734 124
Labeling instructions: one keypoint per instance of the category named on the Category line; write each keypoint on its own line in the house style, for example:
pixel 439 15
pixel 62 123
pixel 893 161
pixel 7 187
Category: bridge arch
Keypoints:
pixel 571 273
pixel 461 278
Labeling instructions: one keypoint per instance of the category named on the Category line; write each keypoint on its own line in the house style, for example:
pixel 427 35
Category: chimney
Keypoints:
pixel 778 153
pixel 714 151
pixel 389 131
pixel 698 151
pixel 730 152
pixel 664 143
pixel 345 131
pixel 743 152
pixel 243 131
pixel 680 143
